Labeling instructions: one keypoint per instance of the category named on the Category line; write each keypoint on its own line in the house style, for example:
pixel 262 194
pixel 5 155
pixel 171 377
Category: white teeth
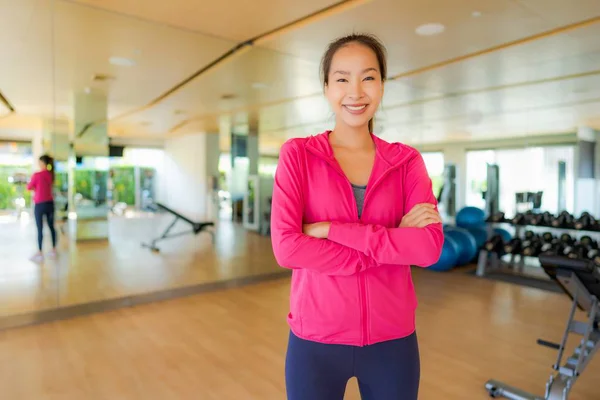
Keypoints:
pixel 353 108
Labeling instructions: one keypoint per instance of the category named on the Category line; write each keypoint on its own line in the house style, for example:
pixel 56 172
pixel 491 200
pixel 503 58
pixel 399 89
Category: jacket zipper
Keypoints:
pixel 362 279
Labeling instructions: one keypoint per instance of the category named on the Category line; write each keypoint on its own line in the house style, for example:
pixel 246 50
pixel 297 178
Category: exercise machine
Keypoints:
pixel 492 192
pixel 197 227
pixel 580 280
pixel 259 190
pixel 447 196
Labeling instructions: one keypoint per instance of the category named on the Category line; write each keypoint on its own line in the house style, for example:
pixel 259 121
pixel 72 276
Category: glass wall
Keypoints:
pixel 434 161
pixel 16 166
pixel 531 169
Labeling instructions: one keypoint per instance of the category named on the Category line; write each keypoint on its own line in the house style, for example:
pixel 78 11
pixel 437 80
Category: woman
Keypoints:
pixel 41 183
pixel 351 213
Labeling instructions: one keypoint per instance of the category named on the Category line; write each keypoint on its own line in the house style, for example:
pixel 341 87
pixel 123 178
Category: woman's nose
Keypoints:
pixel 356 91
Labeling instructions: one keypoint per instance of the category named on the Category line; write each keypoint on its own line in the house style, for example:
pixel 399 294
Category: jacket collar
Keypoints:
pixel 394 154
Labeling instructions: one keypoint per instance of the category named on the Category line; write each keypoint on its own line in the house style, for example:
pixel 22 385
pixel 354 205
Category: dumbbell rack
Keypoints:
pixel 488 262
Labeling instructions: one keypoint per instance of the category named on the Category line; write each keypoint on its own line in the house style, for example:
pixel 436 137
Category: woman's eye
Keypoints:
pixel 342 80
pixel 369 78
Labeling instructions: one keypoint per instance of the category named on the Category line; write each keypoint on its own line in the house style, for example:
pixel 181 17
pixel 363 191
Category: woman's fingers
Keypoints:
pixel 427 221
pixel 426 218
pixel 419 210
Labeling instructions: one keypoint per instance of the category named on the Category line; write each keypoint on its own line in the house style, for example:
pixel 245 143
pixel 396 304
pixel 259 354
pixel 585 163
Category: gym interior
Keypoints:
pixel 165 121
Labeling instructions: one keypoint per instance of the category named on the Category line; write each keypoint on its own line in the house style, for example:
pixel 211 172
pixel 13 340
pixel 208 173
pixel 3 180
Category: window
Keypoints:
pixel 529 169
pixel 434 162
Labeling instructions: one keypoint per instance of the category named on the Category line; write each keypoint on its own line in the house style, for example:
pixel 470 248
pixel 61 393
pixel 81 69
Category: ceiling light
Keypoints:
pixel 122 61
pixel 259 85
pixel 430 29
pixel 476 14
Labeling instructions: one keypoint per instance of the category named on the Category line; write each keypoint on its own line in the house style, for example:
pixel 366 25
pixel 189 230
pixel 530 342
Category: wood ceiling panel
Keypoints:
pixel 237 20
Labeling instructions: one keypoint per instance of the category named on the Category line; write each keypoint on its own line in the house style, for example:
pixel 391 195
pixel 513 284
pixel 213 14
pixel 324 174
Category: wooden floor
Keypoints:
pixel 92 271
pixel 231 345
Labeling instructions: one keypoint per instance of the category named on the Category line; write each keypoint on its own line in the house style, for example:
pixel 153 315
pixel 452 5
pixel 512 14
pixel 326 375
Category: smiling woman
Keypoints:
pixel 369 215
pixel 354 52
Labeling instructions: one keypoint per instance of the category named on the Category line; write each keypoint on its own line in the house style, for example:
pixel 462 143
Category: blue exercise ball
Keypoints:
pixel 480 234
pixel 469 217
pixel 467 244
pixel 506 236
pixel 449 256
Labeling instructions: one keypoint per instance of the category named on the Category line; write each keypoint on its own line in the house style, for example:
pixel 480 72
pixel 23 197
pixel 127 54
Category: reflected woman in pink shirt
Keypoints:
pixel 41 184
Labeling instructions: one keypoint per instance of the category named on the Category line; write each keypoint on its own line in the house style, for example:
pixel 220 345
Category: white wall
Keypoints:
pixel 185 183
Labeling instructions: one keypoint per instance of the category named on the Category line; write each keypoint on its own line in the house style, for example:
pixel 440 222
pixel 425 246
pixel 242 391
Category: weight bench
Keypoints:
pixel 580 280
pixel 197 227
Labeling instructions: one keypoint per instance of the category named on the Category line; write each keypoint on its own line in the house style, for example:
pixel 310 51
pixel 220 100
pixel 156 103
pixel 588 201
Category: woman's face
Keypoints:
pixel 41 164
pixel 355 87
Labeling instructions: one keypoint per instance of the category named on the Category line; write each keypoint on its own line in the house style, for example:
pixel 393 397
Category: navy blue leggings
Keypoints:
pixel 47 209
pixel 385 371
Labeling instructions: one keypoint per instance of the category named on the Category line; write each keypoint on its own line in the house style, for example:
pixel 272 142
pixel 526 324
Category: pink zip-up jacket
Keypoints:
pixel 355 287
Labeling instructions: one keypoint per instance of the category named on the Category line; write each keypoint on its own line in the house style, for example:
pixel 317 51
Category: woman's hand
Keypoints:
pixel 319 230
pixel 420 216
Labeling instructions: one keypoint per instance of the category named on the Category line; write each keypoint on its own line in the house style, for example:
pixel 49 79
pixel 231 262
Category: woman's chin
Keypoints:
pixel 356 123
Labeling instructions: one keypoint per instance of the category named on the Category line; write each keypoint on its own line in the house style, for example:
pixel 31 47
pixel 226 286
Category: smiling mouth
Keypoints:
pixel 355 107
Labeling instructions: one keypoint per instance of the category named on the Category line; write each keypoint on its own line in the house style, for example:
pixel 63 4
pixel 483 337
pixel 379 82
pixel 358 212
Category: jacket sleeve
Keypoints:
pixel 32 182
pixel 401 246
pixel 292 248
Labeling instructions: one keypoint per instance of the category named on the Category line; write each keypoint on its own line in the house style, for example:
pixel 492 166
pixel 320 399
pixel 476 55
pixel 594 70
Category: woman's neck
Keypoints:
pixel 351 138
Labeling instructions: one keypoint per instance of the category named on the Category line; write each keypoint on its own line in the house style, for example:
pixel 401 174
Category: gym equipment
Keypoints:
pixel 197 227
pixel 543 219
pixel 447 196
pixel 497 217
pixel 449 256
pixel 586 222
pixel 580 280
pixel 495 245
pixel 259 190
pixel 492 193
pixel 469 217
pixel 564 220
pixel 529 200
pixel 480 234
pixel 506 236
pixel 467 245
pixel 514 246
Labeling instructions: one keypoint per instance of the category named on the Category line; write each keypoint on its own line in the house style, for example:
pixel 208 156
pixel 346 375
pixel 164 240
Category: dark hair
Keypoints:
pixel 49 161
pixel 364 39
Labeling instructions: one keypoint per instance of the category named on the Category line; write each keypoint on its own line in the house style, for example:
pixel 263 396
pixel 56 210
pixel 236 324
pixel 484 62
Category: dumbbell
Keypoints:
pixel 544 219
pixel 497 217
pixel 513 247
pixel 495 244
pixel 577 251
pixel 532 247
pixel 530 235
pixel 522 219
pixel 563 220
pixel 567 239
pixel 588 242
pixel 555 246
pixel 586 221
pixel 547 237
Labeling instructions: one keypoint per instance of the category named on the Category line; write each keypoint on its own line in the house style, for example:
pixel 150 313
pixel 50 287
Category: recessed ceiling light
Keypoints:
pixel 122 61
pixel 476 14
pixel 259 85
pixel 430 29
